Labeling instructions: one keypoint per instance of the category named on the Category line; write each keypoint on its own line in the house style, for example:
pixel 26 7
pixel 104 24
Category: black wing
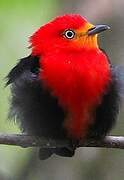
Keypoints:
pixel 28 63
pixel 106 113
pixel 36 110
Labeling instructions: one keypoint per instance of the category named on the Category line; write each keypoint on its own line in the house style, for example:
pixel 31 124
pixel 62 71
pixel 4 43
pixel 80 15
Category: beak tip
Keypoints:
pixel 98 28
pixel 108 27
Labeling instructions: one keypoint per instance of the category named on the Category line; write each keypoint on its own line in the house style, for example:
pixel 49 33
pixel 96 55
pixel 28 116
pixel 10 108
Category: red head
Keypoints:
pixel 65 33
pixel 73 68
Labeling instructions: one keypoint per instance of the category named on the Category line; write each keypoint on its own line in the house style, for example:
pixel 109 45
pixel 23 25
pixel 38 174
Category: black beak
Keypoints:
pixel 97 29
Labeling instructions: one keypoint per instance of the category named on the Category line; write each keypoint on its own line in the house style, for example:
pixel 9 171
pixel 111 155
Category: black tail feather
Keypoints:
pixel 45 153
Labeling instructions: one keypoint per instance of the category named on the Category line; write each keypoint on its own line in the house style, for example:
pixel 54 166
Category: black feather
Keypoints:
pixel 39 113
pixel 28 63
pixel 106 113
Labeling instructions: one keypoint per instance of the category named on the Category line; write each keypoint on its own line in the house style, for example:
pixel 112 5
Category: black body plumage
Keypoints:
pixel 38 112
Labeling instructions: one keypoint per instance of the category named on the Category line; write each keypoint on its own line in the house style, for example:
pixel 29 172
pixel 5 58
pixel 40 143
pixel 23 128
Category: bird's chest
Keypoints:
pixel 78 85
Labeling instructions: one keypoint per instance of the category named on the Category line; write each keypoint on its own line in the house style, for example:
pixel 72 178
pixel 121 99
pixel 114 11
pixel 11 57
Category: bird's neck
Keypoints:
pixel 78 80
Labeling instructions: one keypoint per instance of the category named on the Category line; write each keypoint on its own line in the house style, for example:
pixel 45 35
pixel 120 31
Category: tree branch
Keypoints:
pixel 31 141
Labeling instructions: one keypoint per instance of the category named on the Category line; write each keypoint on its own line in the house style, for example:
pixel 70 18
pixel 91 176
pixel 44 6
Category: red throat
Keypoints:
pixel 79 82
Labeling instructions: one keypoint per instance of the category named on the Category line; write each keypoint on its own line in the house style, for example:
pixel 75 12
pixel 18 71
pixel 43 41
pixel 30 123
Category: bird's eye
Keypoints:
pixel 69 34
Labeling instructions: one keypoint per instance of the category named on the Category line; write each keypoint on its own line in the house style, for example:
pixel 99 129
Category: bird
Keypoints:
pixel 67 88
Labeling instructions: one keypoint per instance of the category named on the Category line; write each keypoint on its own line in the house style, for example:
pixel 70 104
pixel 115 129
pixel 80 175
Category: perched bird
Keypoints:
pixel 67 88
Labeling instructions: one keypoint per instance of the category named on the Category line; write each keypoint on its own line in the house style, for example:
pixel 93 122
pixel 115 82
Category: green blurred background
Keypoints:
pixel 18 20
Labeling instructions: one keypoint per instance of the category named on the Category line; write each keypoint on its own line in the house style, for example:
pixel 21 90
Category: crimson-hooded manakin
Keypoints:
pixel 66 88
